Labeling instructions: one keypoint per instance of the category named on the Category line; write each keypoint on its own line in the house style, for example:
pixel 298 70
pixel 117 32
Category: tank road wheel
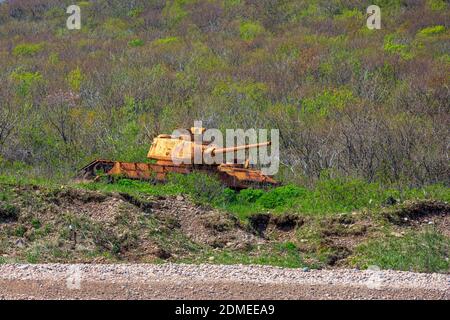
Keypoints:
pixel 90 172
pixel 102 168
pixel 87 175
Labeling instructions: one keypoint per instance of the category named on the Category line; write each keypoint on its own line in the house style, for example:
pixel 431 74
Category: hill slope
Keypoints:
pixel 73 225
pixel 353 101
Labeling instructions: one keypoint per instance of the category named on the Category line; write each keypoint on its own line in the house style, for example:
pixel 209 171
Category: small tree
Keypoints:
pixel 9 116
pixel 8 122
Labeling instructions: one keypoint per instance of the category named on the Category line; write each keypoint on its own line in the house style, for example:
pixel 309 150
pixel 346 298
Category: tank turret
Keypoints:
pixel 182 148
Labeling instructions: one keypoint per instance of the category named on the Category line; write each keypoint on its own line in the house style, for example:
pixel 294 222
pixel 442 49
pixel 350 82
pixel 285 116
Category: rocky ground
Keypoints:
pixel 179 281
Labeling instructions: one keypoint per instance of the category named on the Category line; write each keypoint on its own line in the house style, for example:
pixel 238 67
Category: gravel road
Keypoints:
pixel 178 281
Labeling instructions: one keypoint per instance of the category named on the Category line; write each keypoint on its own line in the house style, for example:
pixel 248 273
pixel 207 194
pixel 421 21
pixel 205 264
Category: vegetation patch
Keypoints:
pixel 431 31
pixel 423 252
pixel 136 43
pixel 166 41
pixel 140 222
pixel 249 30
pixel 28 49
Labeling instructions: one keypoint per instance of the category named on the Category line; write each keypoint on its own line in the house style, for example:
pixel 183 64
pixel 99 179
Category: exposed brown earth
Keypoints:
pixel 112 227
pixel 418 214
pixel 136 229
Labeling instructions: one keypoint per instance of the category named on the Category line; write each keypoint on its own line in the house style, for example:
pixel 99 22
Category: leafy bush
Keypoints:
pixel 249 195
pixel 437 5
pixel 133 13
pixel 229 195
pixel 249 30
pixel 431 31
pixel 166 41
pixel 115 26
pixel 27 49
pixel 203 188
pixel 26 80
pixel 323 103
pixel 280 196
pixel 136 43
pixel 35 223
pixel 271 200
pixel 174 12
pixel 20 231
pixel 75 77
pixel 391 46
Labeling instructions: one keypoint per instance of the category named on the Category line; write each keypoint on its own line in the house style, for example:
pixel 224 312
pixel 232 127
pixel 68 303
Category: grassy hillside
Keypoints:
pixel 370 104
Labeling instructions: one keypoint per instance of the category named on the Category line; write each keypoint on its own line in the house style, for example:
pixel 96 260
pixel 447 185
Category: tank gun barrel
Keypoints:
pixel 238 148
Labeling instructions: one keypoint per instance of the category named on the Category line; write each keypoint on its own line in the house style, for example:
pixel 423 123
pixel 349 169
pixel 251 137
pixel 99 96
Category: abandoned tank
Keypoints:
pixel 175 154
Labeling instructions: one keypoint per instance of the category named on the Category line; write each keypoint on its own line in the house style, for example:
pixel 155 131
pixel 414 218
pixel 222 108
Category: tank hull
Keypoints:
pixel 233 176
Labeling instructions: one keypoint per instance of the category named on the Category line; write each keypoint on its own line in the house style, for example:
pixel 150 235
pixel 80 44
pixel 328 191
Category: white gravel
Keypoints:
pixel 258 276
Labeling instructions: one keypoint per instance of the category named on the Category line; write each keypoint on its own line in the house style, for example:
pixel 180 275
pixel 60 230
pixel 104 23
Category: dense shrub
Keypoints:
pixel 26 49
pixel 370 104
pixel 249 30
pixel 429 31
pixel 204 188
pixel 249 195
pixel 280 196
pixel 136 43
pixel 229 195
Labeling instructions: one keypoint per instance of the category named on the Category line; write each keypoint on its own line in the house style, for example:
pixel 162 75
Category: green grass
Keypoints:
pixel 284 254
pixel 329 196
pixel 134 187
pixel 19 179
pixel 428 251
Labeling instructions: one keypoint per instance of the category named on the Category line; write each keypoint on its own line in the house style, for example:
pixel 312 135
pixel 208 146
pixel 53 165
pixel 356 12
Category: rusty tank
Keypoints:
pixel 175 154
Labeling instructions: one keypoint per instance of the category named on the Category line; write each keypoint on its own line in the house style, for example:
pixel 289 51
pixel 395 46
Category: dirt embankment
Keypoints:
pixel 73 225
pixel 69 225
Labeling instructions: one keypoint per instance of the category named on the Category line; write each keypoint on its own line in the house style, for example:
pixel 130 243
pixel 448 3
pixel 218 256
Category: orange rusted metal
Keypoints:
pixel 166 149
